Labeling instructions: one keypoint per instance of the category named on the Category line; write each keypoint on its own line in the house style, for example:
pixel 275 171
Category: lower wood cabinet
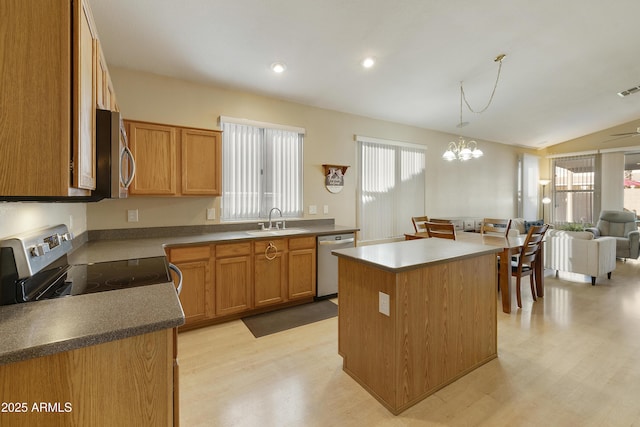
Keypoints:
pixel 234 281
pixel 231 279
pixel 197 294
pixel 270 273
pixel 302 267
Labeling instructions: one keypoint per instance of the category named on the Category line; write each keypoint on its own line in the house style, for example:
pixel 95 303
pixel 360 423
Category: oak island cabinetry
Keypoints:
pixel 415 316
pixel 48 98
pixel 174 160
pixel 130 381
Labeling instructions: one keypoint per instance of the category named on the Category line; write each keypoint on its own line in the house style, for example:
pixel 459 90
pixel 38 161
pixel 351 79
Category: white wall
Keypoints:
pixel 17 218
pixel 481 187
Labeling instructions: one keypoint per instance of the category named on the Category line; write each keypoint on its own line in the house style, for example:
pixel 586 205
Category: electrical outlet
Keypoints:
pixel 383 303
pixel 325 209
pixel 313 209
pixel 132 215
pixel 211 213
pixel 70 222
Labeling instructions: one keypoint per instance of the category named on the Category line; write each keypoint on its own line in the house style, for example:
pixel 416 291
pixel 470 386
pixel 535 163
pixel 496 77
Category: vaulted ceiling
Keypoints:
pixel 565 60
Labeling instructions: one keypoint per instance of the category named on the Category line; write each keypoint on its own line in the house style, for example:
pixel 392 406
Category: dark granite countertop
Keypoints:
pixel 112 250
pixel 52 326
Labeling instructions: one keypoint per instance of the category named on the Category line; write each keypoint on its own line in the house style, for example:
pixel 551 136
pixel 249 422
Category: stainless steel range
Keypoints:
pixel 33 267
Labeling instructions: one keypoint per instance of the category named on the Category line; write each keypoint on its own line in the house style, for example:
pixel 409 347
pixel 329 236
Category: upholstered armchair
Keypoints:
pixel 622 226
pixel 579 252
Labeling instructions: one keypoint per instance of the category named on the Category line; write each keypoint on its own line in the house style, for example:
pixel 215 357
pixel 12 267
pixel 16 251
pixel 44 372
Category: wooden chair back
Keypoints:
pixel 442 230
pixel 529 255
pixel 419 223
pixel 444 221
pixel 496 226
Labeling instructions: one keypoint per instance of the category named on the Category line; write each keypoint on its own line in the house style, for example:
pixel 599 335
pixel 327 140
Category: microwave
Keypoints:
pixel 115 165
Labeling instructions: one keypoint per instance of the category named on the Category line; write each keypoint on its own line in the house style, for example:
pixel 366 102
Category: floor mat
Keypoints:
pixel 287 318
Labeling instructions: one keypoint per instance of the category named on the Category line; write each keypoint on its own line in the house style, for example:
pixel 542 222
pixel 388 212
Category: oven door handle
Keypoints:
pixel 179 273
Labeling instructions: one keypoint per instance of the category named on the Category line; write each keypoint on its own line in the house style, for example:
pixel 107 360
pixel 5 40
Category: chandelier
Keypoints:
pixel 465 150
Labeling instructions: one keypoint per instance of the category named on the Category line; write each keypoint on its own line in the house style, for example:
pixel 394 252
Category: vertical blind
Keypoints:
pixel 391 187
pixel 262 169
pixel 574 189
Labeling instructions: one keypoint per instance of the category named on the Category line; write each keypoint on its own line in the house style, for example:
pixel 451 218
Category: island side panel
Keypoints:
pixel 446 325
pixel 366 336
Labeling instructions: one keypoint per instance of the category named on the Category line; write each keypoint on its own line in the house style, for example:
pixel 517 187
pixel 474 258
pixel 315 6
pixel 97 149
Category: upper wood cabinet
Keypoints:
pixel 104 92
pixel 201 162
pixel 155 148
pixel 85 72
pixel 48 77
pixel 174 160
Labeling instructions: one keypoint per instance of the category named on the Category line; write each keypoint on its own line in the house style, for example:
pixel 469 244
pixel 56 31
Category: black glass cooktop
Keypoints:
pixel 99 277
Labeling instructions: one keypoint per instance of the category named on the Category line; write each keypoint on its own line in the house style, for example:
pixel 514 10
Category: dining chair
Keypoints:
pixel 526 262
pixel 419 223
pixel 442 230
pixel 495 226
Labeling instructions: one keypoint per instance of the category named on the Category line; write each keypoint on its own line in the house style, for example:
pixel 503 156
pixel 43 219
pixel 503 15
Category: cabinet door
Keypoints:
pixel 302 273
pixel 102 77
pixel 195 297
pixel 35 100
pixel 270 275
pixel 84 152
pixel 233 285
pixel 201 162
pixel 154 147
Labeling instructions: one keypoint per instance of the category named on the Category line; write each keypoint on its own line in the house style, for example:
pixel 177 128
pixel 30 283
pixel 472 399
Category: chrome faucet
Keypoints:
pixel 270 212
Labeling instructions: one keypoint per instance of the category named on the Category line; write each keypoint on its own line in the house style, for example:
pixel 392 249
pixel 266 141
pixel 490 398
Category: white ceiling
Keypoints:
pixel 565 62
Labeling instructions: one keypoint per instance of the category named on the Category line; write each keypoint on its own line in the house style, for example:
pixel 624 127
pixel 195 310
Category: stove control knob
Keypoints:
pixel 66 236
pixel 39 250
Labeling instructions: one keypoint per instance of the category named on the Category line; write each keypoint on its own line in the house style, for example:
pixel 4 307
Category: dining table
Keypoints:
pixel 510 245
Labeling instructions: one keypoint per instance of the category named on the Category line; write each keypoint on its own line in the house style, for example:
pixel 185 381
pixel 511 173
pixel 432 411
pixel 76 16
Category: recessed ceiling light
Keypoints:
pixel 278 67
pixel 368 62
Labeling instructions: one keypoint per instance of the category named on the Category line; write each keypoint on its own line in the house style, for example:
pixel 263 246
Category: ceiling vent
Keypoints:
pixel 629 91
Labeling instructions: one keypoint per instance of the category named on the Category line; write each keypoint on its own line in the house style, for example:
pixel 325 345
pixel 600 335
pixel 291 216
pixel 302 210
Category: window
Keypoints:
pixel 391 187
pixel 574 189
pixel 632 182
pixel 262 169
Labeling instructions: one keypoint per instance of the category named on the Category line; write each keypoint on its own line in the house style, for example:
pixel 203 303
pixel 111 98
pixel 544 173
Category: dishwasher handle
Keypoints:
pixel 179 273
pixel 335 242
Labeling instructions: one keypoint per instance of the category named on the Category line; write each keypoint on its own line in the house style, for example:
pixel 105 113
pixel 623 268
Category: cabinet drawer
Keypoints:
pixel 233 249
pixel 189 253
pixel 302 243
pixel 261 245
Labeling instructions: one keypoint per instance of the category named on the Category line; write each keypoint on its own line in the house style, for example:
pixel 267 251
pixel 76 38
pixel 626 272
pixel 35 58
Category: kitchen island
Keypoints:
pixel 415 316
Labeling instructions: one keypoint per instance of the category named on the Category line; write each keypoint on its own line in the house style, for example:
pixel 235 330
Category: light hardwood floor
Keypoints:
pixel 570 359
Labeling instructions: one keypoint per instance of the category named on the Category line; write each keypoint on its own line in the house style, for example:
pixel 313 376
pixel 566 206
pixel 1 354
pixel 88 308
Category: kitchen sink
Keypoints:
pixel 277 232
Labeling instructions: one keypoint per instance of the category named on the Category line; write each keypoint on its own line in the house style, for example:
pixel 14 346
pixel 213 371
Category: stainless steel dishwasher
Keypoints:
pixel 327 284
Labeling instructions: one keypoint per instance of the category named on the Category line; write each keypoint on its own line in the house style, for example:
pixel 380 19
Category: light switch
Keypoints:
pixel 383 303
pixel 313 209
pixel 325 209
pixel 211 213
